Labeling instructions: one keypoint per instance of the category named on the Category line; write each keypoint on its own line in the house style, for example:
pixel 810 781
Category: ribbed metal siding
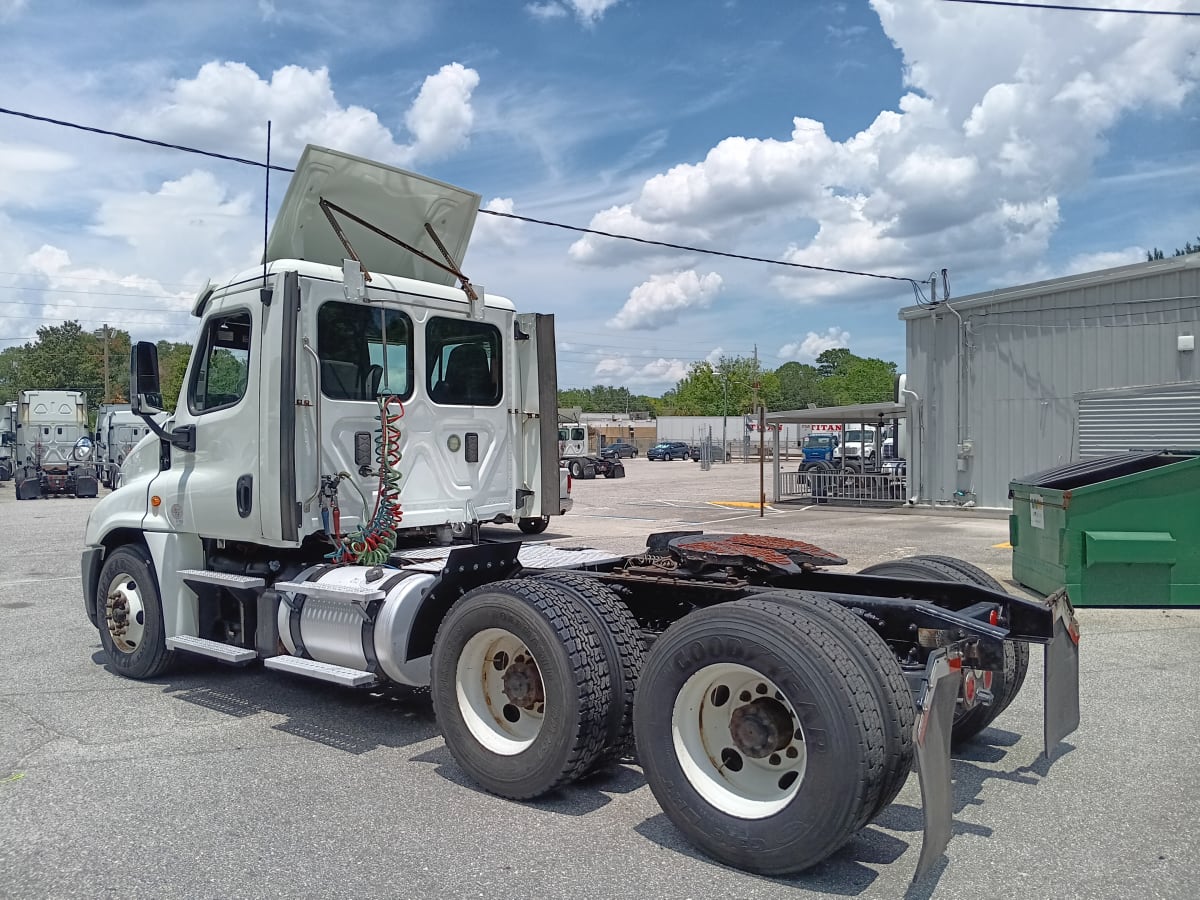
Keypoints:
pixel 1149 419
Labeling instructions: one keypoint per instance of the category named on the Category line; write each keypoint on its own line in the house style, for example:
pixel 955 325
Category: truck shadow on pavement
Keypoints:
pixel 584 796
pixel 853 868
pixel 317 712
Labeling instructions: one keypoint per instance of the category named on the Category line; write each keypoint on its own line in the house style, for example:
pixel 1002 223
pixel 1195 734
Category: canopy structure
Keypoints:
pixel 867 414
pixel 855 414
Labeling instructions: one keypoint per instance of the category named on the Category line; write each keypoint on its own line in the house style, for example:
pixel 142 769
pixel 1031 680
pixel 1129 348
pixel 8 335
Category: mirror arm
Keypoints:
pixel 183 437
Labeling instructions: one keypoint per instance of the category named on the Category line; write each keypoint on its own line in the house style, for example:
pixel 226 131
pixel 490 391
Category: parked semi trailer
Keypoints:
pixel 8 439
pixel 118 431
pixel 53 449
pixel 775 707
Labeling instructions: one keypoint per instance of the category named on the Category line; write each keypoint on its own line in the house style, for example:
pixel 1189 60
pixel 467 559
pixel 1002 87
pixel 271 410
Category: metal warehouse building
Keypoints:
pixel 1005 383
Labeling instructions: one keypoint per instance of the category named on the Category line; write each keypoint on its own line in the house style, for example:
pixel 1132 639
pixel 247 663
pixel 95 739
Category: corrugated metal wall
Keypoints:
pixel 1138 419
pixel 1025 359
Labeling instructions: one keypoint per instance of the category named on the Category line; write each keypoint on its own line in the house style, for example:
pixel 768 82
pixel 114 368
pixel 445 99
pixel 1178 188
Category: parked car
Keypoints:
pixel 669 450
pixel 618 450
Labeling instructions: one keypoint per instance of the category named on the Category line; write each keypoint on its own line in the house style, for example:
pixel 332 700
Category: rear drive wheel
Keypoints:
pixel 132 630
pixel 520 687
pixel 882 670
pixel 759 735
pixel 576 469
pixel 534 525
pixel 621 640
pixel 1008 680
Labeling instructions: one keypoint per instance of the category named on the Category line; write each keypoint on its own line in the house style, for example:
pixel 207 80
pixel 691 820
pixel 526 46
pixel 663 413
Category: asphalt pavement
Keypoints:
pixel 219 782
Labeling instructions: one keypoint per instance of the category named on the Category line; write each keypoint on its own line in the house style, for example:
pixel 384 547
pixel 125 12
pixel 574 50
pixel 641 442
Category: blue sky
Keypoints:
pixel 893 136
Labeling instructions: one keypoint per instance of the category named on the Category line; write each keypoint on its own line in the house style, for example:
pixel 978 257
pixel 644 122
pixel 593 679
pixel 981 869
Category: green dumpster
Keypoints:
pixel 1118 531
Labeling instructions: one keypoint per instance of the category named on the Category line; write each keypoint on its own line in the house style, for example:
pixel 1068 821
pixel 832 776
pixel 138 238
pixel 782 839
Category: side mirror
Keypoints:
pixel 145 395
pixel 83 450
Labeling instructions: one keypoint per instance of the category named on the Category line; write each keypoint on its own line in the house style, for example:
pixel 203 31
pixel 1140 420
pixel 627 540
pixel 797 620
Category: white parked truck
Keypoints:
pixel 574 457
pixel 118 431
pixel 53 449
pixel 8 439
pixel 776 708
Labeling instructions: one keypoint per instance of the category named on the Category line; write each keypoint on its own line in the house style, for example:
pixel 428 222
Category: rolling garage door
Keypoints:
pixel 1144 418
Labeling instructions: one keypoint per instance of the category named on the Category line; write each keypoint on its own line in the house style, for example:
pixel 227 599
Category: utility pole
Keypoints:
pixel 106 363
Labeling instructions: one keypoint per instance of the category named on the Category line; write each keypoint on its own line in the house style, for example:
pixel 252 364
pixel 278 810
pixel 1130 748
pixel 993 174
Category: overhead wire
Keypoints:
pixel 545 222
pixel 1078 8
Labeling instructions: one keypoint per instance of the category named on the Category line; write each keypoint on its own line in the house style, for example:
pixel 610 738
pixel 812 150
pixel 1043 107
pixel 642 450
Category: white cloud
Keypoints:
pixel 227 105
pixel 715 357
pixel 620 370
pixel 507 233
pixel 814 344
pixel 28 171
pixel 1006 115
pixel 588 12
pixel 664 298
pixel 195 211
pixel 546 11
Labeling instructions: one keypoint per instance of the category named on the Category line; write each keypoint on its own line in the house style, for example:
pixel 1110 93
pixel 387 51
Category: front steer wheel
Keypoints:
pixel 132 631
pixel 521 688
pixel 760 737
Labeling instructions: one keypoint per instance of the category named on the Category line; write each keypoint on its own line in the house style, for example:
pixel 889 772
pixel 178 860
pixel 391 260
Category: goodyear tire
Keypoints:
pixel 521 688
pixel 1016 654
pixel 535 525
pixel 882 670
pixel 132 630
pixel 759 735
pixel 624 652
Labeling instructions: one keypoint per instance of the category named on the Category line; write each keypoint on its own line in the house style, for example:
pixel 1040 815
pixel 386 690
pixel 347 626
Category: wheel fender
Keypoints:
pixel 169 553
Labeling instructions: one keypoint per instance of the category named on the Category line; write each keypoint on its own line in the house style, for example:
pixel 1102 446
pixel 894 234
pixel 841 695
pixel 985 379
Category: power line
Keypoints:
pixel 575 228
pixel 1071 8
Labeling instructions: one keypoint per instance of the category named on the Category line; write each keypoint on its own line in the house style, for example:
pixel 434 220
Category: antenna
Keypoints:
pixel 265 293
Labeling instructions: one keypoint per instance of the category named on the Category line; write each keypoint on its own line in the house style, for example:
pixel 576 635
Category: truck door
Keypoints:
pixel 214 491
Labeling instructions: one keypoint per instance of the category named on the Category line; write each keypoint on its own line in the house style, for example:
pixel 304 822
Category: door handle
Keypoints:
pixel 245 495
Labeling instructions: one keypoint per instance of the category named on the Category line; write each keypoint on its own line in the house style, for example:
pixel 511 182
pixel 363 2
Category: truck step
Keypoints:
pixel 223 579
pixel 236 656
pixel 351 593
pixel 310 668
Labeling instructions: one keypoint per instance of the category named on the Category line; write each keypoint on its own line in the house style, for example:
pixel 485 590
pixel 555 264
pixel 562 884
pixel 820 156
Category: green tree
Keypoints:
pixel 172 365
pixel 1187 249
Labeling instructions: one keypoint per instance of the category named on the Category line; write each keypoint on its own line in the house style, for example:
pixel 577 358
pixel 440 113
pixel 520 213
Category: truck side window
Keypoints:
pixel 464 362
pixel 223 364
pixel 350 344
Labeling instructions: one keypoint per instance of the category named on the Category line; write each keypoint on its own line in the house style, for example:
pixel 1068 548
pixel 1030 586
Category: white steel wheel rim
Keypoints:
pixel 502 722
pixel 719 767
pixel 125 613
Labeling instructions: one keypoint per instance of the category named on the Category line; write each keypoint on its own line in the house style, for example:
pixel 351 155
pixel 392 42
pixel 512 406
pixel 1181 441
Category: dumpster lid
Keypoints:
pixel 1093 471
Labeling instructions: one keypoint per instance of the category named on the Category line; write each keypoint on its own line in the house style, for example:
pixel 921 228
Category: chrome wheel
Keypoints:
pixel 125 613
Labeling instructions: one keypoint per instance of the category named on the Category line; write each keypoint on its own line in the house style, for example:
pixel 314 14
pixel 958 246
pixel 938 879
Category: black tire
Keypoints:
pixel 534 525
pixel 128 573
pixel 572 672
pixel 1016 654
pixel 667 457
pixel 882 670
pixel 576 468
pixel 625 652
pixel 843 766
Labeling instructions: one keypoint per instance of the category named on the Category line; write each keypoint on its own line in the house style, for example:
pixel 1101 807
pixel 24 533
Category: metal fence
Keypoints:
pixel 845 488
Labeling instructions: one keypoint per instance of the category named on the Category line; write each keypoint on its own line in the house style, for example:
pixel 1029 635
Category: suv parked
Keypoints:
pixel 618 450
pixel 669 450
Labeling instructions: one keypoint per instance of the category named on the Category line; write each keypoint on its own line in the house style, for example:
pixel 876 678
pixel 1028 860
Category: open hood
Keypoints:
pixel 391 199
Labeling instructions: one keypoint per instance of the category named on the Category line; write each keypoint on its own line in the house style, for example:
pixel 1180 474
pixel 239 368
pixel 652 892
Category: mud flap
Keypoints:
pixel 931 734
pixel 1060 711
pixel 29 489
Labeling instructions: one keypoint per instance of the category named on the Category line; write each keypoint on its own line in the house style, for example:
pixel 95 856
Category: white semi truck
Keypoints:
pixel 776 708
pixel 8 439
pixel 118 431
pixel 53 449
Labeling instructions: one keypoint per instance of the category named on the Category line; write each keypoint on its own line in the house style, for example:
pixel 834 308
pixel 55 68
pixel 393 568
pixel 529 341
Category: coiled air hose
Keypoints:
pixel 372 543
